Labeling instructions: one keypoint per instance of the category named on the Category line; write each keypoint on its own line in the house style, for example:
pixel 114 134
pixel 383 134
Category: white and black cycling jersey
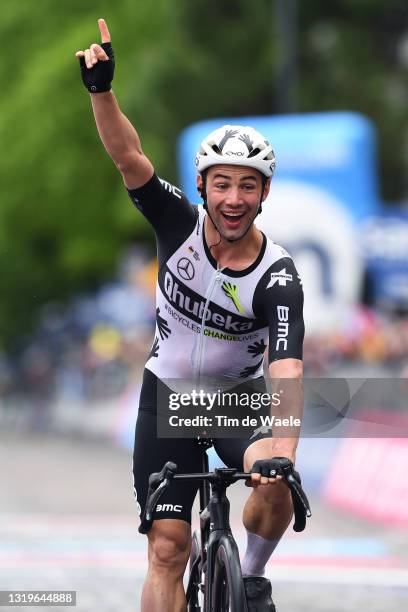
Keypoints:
pixel 211 321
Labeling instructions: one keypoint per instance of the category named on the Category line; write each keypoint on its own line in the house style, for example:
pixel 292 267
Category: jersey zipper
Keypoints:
pixel 215 279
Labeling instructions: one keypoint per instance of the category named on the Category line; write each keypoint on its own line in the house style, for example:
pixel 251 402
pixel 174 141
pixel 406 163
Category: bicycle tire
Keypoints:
pixel 228 591
pixel 194 580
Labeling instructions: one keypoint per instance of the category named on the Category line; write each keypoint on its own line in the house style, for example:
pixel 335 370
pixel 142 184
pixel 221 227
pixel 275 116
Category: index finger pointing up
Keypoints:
pixel 103 28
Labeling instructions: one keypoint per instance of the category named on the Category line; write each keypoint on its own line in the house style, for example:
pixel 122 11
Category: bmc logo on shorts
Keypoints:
pixel 168 508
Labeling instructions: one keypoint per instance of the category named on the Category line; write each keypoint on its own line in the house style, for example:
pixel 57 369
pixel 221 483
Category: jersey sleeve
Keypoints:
pixel 167 210
pixel 278 299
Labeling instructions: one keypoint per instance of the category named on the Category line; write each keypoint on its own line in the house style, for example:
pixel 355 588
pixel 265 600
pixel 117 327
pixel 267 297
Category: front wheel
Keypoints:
pixel 228 591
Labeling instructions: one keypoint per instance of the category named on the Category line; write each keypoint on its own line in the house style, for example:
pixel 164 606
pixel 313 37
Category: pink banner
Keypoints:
pixel 369 478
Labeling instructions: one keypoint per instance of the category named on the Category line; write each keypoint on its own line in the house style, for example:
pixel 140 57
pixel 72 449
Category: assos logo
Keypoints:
pixel 283 327
pixel 279 277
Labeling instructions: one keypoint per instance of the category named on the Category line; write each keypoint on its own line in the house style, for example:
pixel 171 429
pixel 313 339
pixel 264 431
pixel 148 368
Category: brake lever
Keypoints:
pixel 300 502
pixel 158 484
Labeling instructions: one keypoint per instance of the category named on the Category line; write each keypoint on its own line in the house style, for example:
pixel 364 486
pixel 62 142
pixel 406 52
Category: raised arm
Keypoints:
pixel 118 135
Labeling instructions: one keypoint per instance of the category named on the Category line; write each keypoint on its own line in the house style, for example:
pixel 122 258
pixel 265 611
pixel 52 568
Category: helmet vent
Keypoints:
pixel 254 152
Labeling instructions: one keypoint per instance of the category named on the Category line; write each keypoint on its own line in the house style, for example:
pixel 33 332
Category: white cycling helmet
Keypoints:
pixel 237 145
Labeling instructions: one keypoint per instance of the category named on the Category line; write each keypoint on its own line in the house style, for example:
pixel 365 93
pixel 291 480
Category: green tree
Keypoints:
pixel 354 56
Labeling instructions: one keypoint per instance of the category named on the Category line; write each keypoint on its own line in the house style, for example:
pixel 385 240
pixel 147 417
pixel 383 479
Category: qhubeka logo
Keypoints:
pixel 193 306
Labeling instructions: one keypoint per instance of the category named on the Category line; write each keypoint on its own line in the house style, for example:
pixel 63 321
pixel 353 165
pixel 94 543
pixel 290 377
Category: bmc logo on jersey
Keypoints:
pixel 283 327
pixel 168 508
pixel 171 188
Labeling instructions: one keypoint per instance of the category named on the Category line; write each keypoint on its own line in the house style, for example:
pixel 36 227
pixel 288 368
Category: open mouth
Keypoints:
pixel 233 219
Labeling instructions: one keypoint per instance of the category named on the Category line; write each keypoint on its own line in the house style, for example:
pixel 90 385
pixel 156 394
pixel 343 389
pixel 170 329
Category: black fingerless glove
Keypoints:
pixel 271 467
pixel 99 78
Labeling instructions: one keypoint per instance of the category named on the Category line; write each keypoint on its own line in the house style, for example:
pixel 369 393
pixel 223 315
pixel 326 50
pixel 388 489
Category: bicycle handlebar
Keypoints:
pixel 160 481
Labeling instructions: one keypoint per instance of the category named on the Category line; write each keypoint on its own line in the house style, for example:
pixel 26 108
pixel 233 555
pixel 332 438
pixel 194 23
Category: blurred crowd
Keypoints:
pixel 368 340
pixel 90 349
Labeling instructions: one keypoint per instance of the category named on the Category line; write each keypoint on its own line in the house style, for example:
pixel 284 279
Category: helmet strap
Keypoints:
pixel 203 190
pixel 264 179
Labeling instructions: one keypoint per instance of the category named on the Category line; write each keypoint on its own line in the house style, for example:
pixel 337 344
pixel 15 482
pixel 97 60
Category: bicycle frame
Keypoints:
pixel 214 528
pixel 205 519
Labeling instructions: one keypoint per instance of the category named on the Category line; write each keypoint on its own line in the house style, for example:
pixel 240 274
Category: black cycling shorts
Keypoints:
pixel 151 453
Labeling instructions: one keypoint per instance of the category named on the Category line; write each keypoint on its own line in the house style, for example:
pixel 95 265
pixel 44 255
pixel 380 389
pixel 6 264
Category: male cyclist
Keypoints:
pixel 217 272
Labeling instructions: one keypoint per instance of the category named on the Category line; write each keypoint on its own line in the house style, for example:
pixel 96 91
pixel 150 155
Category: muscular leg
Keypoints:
pixel 168 553
pixel 268 510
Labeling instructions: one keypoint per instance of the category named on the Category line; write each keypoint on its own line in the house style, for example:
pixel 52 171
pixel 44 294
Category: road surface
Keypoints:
pixel 68 522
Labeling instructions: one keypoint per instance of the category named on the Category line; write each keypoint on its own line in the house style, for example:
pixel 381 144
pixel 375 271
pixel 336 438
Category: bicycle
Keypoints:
pixel 214 566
